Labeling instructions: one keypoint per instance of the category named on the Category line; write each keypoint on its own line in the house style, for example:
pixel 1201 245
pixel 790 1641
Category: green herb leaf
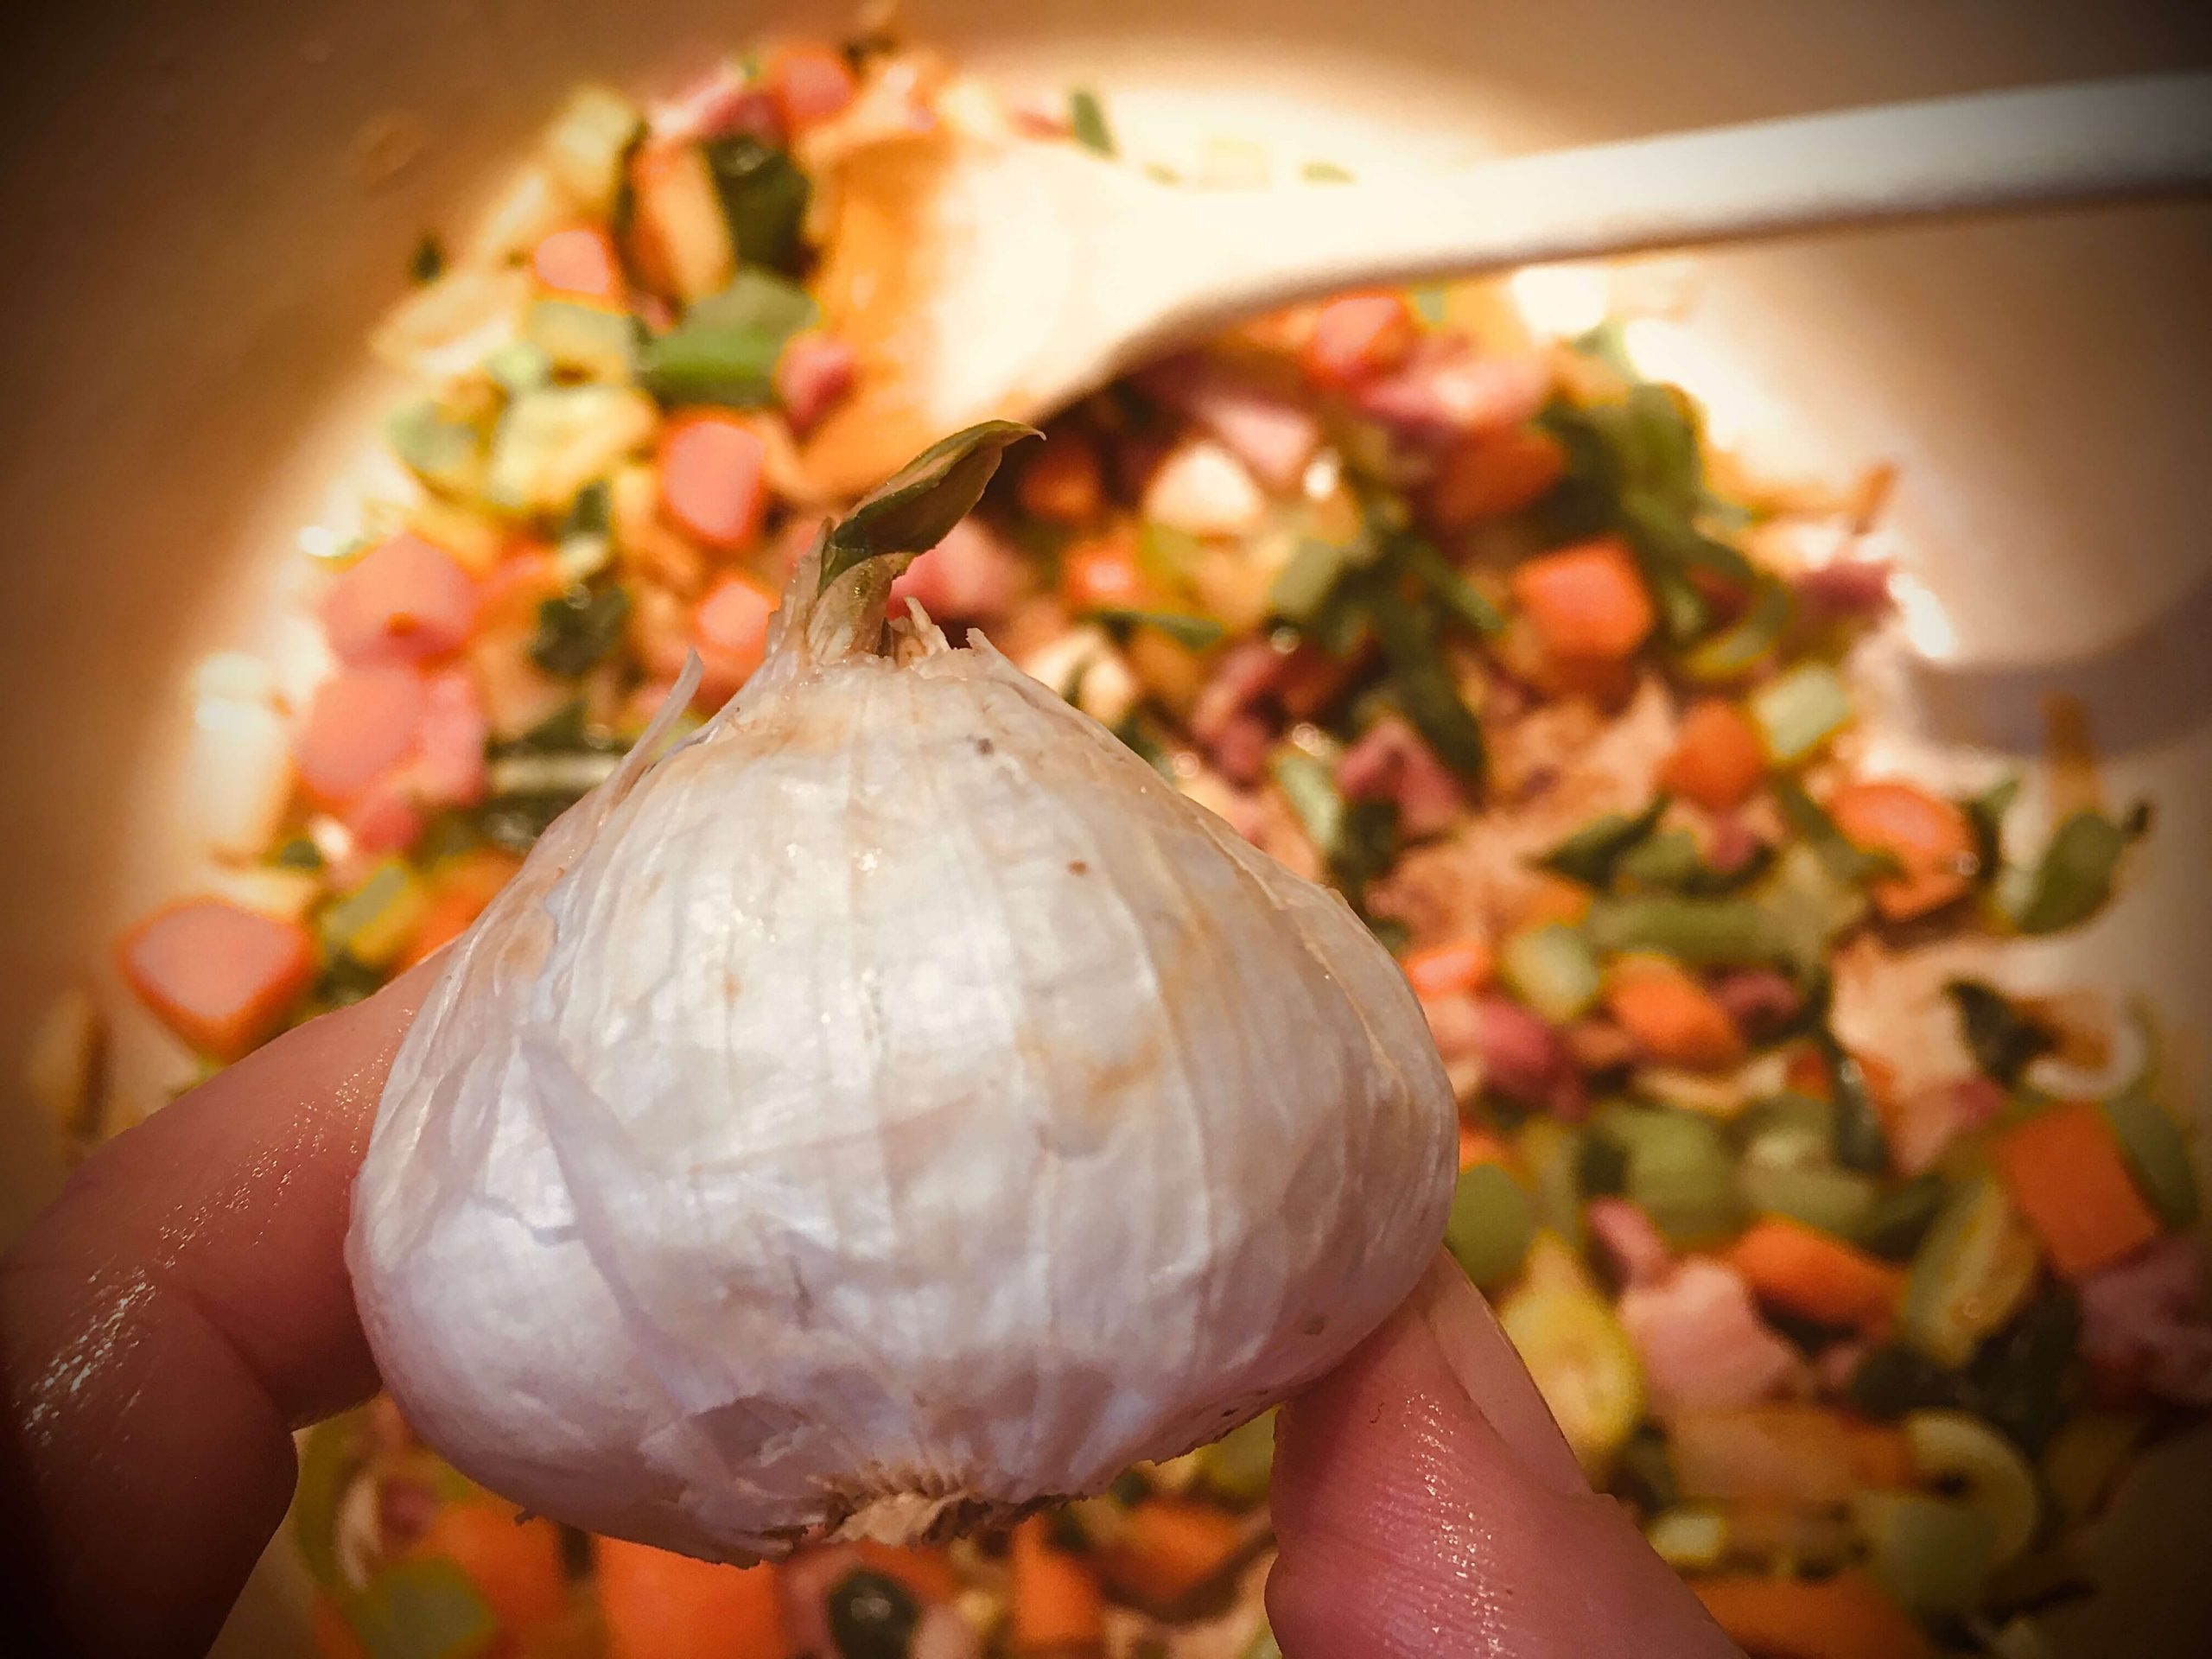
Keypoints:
pixel 2001 1036
pixel 428 261
pixel 1701 933
pixel 2074 879
pixel 1087 116
pixel 764 196
pixel 1185 629
pixel 1451 589
pixel 423 1609
pixel 297 853
pixel 915 509
pixel 579 630
pixel 1986 816
pixel 1859 1143
pixel 1593 853
pixel 725 350
pixel 1422 682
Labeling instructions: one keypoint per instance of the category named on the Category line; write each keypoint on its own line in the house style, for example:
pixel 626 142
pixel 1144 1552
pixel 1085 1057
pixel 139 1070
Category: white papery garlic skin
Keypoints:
pixel 896 1105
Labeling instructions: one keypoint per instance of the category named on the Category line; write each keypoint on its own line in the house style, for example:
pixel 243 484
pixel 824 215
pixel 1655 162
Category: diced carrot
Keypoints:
pixel 1358 336
pixel 814 371
pixel 1100 575
pixel 1056 1606
pixel 1671 1015
pixel 1587 601
pixel 1805 1271
pixel 514 1563
pixel 579 262
pixel 405 599
pixel 710 480
pixel 1718 759
pixel 363 722
pixel 1807 1072
pixel 460 890
pixel 1495 476
pixel 1847 1617
pixel 1480 1147
pixel 527 574
pixel 730 628
pixel 928 1572
pixel 218 976
pixel 1174 1547
pixel 810 83
pixel 1062 483
pixel 1552 899
pixel 1930 836
pixel 1446 970
pixel 2064 1170
pixel 333 1637
pixel 656 1605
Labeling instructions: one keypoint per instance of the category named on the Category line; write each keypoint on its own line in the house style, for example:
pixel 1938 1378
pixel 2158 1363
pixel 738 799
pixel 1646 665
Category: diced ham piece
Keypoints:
pixel 1390 762
pixel 1240 749
pixel 1523 1059
pixel 814 372
pixel 1241 683
pixel 730 630
pixel 383 819
pixel 218 976
pixel 406 600
pixel 811 83
pixel 1732 845
pixel 1927 1120
pixel 711 480
pixel 969 577
pixel 1760 1001
pixel 1844 590
pixel 1358 337
pixel 2147 1321
pixel 1274 437
pixel 1632 1242
pixel 720 103
pixel 1446 391
pixel 447 769
pixel 362 723
pixel 1702 1344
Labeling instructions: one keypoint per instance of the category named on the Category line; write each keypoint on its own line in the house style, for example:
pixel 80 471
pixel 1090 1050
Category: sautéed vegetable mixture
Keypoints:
pixel 1856 1276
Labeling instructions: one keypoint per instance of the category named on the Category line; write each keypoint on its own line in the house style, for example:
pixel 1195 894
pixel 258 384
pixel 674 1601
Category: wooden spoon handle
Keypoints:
pixel 1984 152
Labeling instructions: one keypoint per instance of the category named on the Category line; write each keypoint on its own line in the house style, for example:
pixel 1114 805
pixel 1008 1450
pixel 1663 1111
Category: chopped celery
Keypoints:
pixel 551 442
pixel 1932 1554
pixel 444 451
pixel 1689 1539
pixel 1236 1466
pixel 1799 710
pixel 1679 1172
pixel 1551 1153
pixel 588 144
pixel 1971 1274
pixel 373 922
pixel 1956 1447
pixel 2156 1154
pixel 591 340
pixel 1576 1351
pixel 1835 1201
pixel 1551 969
pixel 1491 1224
pixel 2072 880
pixel 1701 933
pixel 725 350
pixel 1593 853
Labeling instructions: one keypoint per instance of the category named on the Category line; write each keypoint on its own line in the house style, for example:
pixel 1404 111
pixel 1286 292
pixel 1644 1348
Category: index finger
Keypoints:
pixel 168 1321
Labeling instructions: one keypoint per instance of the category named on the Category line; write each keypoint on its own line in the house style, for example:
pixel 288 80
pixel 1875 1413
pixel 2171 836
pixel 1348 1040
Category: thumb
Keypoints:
pixel 1427 1507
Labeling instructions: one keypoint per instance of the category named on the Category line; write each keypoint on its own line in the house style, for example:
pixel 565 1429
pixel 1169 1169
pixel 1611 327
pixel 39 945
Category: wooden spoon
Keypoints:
pixel 978 278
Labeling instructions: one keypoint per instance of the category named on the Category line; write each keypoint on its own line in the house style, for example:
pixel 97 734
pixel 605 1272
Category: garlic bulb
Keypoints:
pixel 892 1107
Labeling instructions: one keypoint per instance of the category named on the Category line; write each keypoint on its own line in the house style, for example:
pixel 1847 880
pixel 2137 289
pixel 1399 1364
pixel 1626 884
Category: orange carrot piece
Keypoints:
pixel 730 628
pixel 1929 837
pixel 218 976
pixel 1057 1605
pixel 710 480
pixel 405 600
pixel 1806 1272
pixel 1552 899
pixel 660 1606
pixel 1671 1015
pixel 1357 336
pixel 1718 759
pixel 1847 1617
pixel 1447 969
pixel 1174 1547
pixel 2064 1171
pixel 579 262
pixel 363 722
pixel 810 83
pixel 1587 602
pixel 1496 475
pixel 1102 573
pixel 928 1572
pixel 1062 483
pixel 514 1563
pixel 1480 1147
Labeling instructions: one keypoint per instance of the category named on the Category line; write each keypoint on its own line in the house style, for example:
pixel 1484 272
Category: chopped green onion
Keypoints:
pixel 1971 1274
pixel 1751 642
pixel 1799 710
pixel 2001 1039
pixel 1491 1224
pixel 1087 118
pixel 1192 632
pixel 1701 933
pixel 1551 969
pixel 373 922
pixel 725 350
pixel 2156 1154
pixel 428 261
pixel 2074 878
pixel 1593 853
pixel 579 630
pixel 1860 1142
pixel 422 1608
pixel 764 196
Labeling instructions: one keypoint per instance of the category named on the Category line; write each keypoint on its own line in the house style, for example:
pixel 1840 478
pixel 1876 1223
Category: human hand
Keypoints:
pixel 184 1306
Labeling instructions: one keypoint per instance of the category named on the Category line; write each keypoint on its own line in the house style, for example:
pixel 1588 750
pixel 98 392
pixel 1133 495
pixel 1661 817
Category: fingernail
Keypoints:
pixel 1481 1359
